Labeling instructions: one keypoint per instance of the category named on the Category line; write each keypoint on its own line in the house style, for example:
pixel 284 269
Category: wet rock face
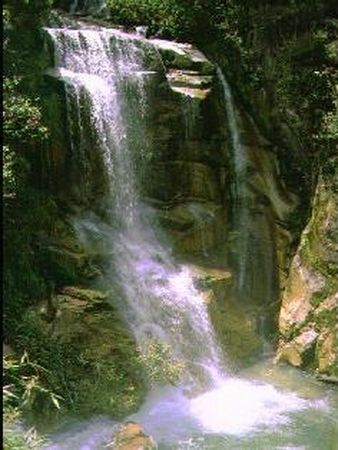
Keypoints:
pixel 132 437
pixel 303 283
pixel 236 327
pixel 187 173
pixel 184 174
pixel 308 317
pixel 186 160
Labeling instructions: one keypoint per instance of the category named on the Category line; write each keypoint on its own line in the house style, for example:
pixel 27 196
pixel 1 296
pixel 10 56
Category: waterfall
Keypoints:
pixel 253 251
pixel 105 69
pixel 108 95
pixel 239 193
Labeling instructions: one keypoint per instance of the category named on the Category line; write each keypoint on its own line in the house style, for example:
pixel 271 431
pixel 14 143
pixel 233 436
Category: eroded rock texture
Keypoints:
pixel 308 318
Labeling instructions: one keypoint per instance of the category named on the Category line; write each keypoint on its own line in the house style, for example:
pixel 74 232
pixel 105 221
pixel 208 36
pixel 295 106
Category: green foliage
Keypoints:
pixel 328 133
pixel 22 118
pixel 27 13
pixel 15 439
pixel 22 130
pixel 23 42
pixel 9 170
pixel 81 380
pixel 275 55
pixel 23 389
pixel 23 278
pixel 27 210
pixel 160 365
pixel 179 19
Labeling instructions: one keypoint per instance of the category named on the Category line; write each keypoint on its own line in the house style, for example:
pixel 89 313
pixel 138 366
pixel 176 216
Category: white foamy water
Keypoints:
pixel 239 407
pixel 241 414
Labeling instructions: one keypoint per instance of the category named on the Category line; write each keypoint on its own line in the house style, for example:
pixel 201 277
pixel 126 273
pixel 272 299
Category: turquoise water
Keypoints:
pixel 265 408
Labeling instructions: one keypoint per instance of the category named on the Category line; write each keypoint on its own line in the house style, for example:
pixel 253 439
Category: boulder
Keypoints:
pixel 131 436
pixel 212 280
pixel 298 351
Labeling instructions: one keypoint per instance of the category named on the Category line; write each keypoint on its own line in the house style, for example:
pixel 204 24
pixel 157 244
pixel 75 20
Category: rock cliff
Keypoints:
pixel 308 317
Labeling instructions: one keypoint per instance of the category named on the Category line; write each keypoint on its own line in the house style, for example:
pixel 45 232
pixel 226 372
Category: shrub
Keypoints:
pixel 161 366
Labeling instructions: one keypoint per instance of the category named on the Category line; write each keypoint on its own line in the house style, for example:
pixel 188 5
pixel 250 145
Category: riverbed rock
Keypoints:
pixel 131 436
pixel 237 330
pixel 308 320
pixel 300 349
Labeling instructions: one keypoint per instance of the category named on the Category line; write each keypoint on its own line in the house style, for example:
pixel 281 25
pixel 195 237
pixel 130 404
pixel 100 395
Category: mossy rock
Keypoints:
pixel 310 301
pixel 91 358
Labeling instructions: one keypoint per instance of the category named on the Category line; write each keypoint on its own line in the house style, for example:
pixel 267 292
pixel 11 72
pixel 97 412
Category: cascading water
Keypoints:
pixel 160 300
pixel 253 252
pixel 106 82
pixel 239 194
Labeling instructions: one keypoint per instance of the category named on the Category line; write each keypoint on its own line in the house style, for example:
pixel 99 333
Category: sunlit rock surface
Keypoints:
pixel 131 436
pixel 308 318
pixel 183 56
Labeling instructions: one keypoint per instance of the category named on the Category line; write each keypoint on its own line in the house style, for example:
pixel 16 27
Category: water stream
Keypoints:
pixel 106 71
pixel 253 254
pixel 162 302
pixel 265 408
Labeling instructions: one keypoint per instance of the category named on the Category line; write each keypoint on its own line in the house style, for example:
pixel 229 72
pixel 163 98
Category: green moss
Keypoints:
pixel 326 318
